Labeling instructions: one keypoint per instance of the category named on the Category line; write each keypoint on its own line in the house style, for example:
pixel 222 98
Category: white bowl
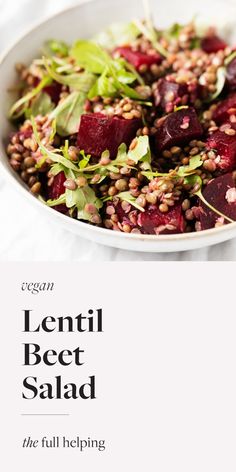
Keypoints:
pixel 85 20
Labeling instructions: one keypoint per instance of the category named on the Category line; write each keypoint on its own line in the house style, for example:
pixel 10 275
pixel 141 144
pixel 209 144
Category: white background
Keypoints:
pixel 28 236
pixel 165 367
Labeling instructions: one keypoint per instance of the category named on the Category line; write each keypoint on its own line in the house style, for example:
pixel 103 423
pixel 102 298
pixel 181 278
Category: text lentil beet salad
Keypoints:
pixel 134 131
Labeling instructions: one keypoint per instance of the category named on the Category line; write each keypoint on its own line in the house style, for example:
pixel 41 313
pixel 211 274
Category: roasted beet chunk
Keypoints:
pixel 225 146
pixel 178 128
pixel 221 194
pixel 54 91
pixel 153 221
pixel 138 59
pixel 169 93
pixel 213 44
pixel 224 109
pixel 231 74
pixel 56 190
pixel 98 133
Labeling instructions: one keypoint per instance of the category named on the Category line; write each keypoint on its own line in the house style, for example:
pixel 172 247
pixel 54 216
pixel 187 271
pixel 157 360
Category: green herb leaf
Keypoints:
pixel 86 195
pixel 82 81
pixel 117 35
pixel 141 152
pixel 90 56
pixel 58 201
pixel 230 58
pixel 57 168
pixel 114 77
pixel 194 163
pixel 174 31
pixel 42 105
pixel 149 32
pixel 122 74
pixel 104 87
pixel 54 156
pixel 68 113
pixel 131 68
pixel 127 197
pixel 221 78
pixel 18 109
pixel 195 43
pixel 127 91
pixel 151 175
pixel 59 48
pixel 182 107
pixel 85 160
pixel 195 181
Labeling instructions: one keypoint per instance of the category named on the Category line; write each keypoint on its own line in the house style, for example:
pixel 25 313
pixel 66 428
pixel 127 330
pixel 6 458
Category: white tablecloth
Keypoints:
pixel 26 235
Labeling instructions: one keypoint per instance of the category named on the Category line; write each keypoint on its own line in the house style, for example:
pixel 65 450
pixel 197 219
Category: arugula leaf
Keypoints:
pixel 182 107
pixel 195 43
pixel 187 171
pixel 113 78
pixel 72 197
pixel 119 65
pixel 53 155
pixel 58 201
pixel 85 160
pixel 174 31
pixel 82 81
pixel 42 105
pixel 149 32
pixel 194 163
pixel 221 78
pixel 68 113
pixel 77 199
pixel 104 87
pixel 128 66
pixel 195 181
pixel 141 152
pixel 86 195
pixel 117 34
pixel 127 91
pixel 127 197
pixel 90 56
pixel 151 175
pixel 57 168
pixel 230 58
pixel 57 47
pixel 18 109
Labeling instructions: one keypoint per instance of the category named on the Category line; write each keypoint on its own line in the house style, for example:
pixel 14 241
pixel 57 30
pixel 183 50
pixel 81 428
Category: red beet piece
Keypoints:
pixel 152 221
pixel 137 58
pixel 219 195
pixel 213 44
pixel 221 114
pixel 231 74
pixel 225 146
pixel 178 128
pixel 98 133
pixel 169 92
pixel 54 91
pixel 56 190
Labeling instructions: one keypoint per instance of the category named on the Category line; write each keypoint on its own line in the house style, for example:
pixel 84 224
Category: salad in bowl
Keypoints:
pixel 133 131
